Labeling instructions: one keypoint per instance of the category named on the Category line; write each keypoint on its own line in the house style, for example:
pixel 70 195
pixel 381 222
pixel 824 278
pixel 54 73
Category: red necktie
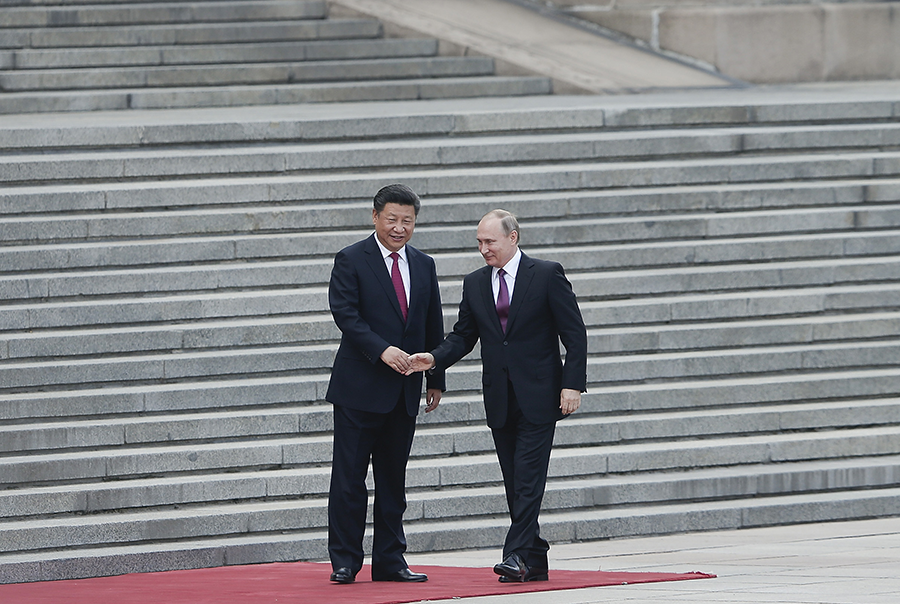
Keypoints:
pixel 503 300
pixel 397 280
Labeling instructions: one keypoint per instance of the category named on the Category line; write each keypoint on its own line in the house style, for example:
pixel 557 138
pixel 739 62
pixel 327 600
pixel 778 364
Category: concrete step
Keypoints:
pixel 273 94
pixel 238 74
pixel 259 361
pixel 79 243
pixel 425 502
pixel 70 3
pixel 249 30
pixel 692 306
pixel 476 150
pixel 285 330
pixel 240 210
pixel 473 463
pixel 440 433
pixel 443 535
pixel 266 392
pixel 168 12
pixel 577 177
pixel 201 54
pixel 622 265
pixel 214 520
pixel 636 368
pixel 253 330
pixel 459 118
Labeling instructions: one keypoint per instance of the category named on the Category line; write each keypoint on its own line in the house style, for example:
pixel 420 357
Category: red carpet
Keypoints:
pixel 302 583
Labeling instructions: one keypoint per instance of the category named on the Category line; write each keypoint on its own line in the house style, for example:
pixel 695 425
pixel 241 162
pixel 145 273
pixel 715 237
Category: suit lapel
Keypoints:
pixel 376 262
pixel 417 278
pixel 523 280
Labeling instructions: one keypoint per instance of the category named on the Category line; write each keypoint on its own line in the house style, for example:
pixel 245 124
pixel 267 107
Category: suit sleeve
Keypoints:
pixel 572 332
pixel 461 340
pixel 344 301
pixel 434 331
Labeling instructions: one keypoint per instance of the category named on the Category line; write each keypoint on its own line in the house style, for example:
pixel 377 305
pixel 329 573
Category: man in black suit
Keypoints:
pixel 520 308
pixel 384 297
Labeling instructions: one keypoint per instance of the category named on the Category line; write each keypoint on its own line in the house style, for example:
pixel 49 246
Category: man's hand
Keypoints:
pixel 396 359
pixel 569 400
pixel 433 398
pixel 422 361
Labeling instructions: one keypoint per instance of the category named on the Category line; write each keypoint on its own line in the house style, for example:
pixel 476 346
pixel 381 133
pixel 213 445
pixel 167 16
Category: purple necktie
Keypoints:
pixel 397 280
pixel 502 300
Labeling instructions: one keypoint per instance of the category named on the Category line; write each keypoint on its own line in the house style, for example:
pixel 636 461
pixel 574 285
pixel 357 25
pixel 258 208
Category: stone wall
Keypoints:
pixel 762 41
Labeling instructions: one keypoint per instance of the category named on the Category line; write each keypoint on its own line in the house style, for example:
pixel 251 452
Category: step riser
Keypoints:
pixel 458 181
pixel 600 340
pixel 284 94
pixel 237 75
pixel 315 517
pixel 25 471
pixel 216 54
pixel 478 151
pixel 168 12
pixel 177 366
pixel 168 34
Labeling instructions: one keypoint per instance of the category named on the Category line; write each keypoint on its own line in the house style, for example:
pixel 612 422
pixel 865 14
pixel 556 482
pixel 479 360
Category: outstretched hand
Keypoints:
pixel 396 359
pixel 421 361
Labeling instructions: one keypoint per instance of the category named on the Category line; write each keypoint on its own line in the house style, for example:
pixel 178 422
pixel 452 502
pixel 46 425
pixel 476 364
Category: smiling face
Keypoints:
pixel 394 225
pixel 495 246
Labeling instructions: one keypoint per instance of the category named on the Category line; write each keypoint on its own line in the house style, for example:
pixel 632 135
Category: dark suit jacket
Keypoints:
pixel 365 309
pixel 543 312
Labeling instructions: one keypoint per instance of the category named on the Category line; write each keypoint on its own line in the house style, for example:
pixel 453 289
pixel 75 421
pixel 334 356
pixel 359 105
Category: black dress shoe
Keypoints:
pixel 343 575
pixel 533 574
pixel 512 568
pixel 403 576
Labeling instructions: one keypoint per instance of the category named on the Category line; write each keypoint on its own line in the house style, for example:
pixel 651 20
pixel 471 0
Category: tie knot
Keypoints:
pixel 395 255
pixel 501 272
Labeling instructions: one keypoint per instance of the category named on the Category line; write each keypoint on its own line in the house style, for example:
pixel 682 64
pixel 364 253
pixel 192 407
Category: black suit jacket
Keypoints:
pixel 365 309
pixel 543 312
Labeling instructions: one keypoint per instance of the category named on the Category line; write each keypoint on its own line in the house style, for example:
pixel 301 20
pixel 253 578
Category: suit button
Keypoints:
pixel 505 343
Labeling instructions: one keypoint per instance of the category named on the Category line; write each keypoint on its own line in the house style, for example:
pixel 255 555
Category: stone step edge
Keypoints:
pixel 569 176
pixel 444 536
pixel 79 498
pixel 425 507
pixel 172 126
pixel 571 461
pixel 620 397
pixel 313 420
pixel 14 103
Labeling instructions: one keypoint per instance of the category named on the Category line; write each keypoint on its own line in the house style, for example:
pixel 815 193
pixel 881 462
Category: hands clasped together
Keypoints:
pixel 407 364
pixel 404 363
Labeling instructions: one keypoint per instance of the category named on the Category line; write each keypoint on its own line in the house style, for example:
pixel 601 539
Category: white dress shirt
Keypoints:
pixel 402 262
pixel 512 269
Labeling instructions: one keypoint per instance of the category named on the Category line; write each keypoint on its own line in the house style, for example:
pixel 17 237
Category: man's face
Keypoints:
pixel 394 225
pixel 496 248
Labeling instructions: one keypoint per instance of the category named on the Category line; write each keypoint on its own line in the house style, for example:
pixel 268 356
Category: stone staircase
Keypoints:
pixel 73 55
pixel 165 341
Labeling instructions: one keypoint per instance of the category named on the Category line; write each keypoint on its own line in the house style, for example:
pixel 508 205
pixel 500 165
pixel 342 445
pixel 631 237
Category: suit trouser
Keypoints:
pixel 386 439
pixel 523 449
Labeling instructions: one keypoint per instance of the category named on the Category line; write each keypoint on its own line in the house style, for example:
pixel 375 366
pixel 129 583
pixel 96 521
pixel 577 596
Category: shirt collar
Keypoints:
pixel 385 253
pixel 511 267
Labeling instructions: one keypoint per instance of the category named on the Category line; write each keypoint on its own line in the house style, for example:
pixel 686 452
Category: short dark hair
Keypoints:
pixel 400 194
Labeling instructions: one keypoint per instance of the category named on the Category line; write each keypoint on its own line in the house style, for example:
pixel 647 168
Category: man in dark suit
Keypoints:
pixel 520 308
pixel 384 297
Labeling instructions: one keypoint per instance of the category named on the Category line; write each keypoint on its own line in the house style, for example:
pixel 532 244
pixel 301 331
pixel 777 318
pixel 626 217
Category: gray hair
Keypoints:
pixel 508 222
